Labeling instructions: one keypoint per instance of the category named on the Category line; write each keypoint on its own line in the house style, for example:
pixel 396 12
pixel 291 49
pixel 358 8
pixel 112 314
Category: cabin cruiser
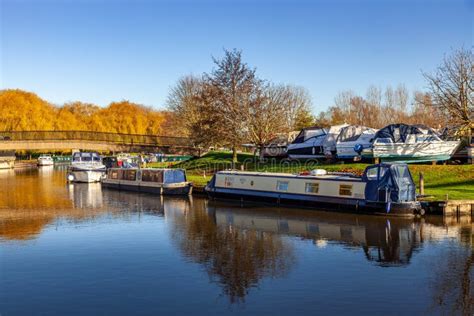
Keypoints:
pixel 86 167
pixel 151 180
pixel 308 143
pixel 315 142
pixel 409 143
pixel 329 143
pixel 352 140
pixel 383 189
pixel 45 160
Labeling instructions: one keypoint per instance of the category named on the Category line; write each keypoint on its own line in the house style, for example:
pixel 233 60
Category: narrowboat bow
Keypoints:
pixel 386 189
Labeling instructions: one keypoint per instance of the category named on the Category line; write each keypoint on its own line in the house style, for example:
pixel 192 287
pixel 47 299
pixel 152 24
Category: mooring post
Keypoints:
pixel 422 184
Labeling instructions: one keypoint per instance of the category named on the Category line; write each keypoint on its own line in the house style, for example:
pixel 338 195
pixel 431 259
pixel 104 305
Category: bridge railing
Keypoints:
pixel 117 138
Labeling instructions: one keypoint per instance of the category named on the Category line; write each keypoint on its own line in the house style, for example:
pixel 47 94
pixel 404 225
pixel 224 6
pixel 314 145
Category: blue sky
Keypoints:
pixel 103 51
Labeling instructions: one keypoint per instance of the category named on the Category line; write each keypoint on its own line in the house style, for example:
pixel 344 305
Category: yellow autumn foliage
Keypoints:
pixel 25 111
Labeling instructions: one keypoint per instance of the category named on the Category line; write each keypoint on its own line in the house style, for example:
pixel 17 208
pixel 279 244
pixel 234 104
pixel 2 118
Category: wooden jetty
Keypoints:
pixel 449 207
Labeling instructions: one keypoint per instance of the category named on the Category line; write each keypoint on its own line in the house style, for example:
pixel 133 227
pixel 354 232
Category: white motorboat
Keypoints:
pixel 352 140
pixel 86 167
pixel 315 142
pixel 308 143
pixel 45 160
pixel 409 143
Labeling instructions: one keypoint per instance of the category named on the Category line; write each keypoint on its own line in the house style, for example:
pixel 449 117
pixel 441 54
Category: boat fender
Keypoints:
pixel 70 177
pixel 358 148
pixel 388 207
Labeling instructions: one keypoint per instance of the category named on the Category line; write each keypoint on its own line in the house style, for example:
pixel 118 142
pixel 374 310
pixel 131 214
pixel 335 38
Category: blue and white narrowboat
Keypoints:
pixel 383 189
pixel 152 180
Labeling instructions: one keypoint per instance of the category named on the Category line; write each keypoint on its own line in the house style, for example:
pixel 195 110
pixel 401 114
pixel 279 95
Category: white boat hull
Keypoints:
pixel 426 151
pixel 87 176
pixel 45 163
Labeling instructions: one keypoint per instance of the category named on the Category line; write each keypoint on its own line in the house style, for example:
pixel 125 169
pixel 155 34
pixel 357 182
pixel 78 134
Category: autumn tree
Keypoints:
pixel 451 87
pixel 235 89
pixel 184 101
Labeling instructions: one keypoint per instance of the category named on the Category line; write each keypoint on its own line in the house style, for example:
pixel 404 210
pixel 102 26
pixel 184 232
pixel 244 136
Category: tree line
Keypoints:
pixel 25 111
pixel 231 105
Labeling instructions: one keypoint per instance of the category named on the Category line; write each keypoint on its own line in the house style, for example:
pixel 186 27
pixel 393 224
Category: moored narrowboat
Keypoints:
pixel 382 189
pixel 151 180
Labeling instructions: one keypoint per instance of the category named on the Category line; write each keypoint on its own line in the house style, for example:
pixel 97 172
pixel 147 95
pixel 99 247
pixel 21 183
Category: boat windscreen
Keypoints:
pixel 174 176
pixel 308 133
pixel 351 133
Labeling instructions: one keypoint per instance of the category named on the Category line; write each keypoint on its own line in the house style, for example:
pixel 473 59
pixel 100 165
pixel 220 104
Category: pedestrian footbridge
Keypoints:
pixel 94 141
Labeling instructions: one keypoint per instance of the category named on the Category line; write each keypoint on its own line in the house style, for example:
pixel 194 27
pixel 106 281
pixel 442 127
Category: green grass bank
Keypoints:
pixel 457 181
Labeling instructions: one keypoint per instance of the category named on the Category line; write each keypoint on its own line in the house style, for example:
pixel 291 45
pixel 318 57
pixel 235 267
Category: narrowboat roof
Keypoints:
pixel 290 175
pixel 152 169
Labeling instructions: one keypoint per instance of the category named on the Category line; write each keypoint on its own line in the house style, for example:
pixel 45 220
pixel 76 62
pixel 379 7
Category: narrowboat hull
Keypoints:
pixel 327 203
pixel 164 189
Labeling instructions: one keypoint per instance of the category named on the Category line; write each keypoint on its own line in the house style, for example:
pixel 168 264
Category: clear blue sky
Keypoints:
pixel 103 51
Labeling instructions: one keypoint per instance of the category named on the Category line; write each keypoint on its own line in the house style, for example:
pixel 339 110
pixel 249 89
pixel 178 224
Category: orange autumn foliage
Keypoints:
pixel 25 111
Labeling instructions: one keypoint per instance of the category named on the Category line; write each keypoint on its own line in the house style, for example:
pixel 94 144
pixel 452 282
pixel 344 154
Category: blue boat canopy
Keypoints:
pixel 389 183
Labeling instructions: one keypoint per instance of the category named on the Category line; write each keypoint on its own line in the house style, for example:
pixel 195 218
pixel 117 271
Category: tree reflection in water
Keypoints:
pixel 236 259
pixel 453 286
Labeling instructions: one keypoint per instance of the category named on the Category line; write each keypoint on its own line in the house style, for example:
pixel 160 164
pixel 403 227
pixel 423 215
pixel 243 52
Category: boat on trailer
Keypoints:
pixel 86 167
pixel 386 189
pixel 150 180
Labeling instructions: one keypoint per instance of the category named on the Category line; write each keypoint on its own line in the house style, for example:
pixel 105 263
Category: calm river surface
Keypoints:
pixel 79 249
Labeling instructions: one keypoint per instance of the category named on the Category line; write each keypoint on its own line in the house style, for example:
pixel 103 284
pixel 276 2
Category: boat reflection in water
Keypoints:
pixel 385 241
pixel 85 195
pixel 154 244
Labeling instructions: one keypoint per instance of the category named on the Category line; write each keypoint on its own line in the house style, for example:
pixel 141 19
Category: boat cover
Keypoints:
pixel 307 133
pixel 352 132
pixel 329 142
pixel 393 178
pixel 398 133
pixel 174 176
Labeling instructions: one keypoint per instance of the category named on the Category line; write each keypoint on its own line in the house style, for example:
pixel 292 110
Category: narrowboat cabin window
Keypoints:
pixel 228 181
pixel 312 187
pixel 113 174
pixel 129 175
pixel 345 189
pixel 152 176
pixel 282 185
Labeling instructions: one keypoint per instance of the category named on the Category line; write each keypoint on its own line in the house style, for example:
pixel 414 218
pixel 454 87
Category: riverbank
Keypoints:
pixel 456 181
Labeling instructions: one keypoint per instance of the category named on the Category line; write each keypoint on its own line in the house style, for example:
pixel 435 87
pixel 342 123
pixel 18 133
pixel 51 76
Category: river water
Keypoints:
pixel 68 249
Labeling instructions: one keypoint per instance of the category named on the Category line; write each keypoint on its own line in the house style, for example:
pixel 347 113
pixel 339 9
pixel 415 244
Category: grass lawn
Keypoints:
pixel 455 180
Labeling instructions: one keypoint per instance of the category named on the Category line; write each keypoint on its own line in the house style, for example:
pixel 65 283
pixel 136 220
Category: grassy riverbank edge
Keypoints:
pixel 455 181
